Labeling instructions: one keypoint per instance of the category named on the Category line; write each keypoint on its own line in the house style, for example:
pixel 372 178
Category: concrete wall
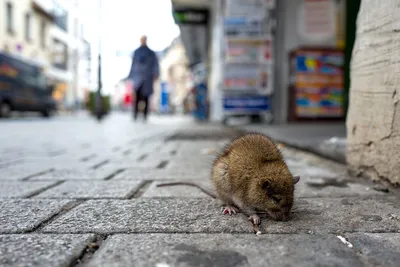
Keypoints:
pixel 373 122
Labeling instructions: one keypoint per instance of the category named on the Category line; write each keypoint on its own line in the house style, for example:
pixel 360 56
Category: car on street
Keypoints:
pixel 23 87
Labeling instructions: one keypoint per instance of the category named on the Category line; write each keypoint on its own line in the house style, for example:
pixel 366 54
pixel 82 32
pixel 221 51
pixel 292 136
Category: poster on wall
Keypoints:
pixel 242 50
pixel 248 56
pixel 317 20
pixel 248 78
pixel 246 103
pixel 319 83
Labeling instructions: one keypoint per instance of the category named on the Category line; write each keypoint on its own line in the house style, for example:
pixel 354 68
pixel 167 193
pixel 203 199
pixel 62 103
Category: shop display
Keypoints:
pixel 248 58
pixel 318 82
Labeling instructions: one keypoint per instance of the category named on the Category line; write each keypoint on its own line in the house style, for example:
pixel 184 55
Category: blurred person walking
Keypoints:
pixel 144 71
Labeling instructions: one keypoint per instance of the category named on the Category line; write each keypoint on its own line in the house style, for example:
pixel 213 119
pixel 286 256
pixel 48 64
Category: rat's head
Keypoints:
pixel 274 194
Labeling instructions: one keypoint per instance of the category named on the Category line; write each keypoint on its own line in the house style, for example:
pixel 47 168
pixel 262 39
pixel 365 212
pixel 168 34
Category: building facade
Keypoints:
pixel 25 31
pixel 48 33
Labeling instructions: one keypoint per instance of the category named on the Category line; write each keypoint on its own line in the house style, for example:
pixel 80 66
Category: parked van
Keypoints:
pixel 23 87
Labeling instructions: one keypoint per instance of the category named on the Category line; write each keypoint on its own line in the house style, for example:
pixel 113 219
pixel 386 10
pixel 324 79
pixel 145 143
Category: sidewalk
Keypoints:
pixel 326 140
pixel 97 204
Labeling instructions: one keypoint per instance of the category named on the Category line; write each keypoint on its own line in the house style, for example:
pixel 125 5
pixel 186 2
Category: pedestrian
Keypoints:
pixel 144 71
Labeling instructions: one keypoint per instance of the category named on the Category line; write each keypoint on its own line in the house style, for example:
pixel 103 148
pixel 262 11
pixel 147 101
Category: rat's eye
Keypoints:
pixel 276 199
pixel 266 185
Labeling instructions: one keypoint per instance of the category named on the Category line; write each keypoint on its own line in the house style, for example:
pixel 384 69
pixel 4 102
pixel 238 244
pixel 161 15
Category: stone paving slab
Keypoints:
pixel 325 215
pixel 76 174
pixel 41 250
pixel 161 174
pixel 379 249
pixel 22 215
pixel 224 250
pixel 18 189
pixel 92 190
pixel 177 191
pixel 302 190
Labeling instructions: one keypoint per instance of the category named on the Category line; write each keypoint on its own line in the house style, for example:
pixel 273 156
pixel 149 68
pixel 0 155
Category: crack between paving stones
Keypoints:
pixel 38 192
pixel 141 189
pixel 109 177
pixel 100 164
pixel 250 232
pixel 127 152
pixel 65 209
pixel 142 157
pixel 37 174
pixel 87 158
pixel 88 252
pixel 162 164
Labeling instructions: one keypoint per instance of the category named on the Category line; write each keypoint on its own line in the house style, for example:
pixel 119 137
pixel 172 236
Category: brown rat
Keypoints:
pixel 250 173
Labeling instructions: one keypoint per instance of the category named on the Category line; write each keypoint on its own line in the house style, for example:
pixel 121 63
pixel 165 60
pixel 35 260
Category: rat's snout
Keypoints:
pixel 279 215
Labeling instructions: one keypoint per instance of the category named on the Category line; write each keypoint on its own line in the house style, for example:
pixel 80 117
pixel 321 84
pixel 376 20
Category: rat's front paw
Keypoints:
pixel 229 210
pixel 255 219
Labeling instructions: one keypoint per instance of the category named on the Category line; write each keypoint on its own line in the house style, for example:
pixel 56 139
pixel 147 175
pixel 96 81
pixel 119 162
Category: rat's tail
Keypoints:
pixel 208 192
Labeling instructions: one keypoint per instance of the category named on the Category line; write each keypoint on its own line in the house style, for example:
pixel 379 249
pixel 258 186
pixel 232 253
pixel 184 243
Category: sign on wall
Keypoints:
pixel 317 20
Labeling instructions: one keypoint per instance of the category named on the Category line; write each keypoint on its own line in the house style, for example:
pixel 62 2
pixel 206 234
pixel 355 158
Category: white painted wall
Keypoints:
pixel 216 57
pixel 30 50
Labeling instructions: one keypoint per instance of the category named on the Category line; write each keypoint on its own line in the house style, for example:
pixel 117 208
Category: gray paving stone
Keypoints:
pixel 76 174
pixel 20 171
pixel 351 190
pixel 92 189
pixel 161 174
pixel 18 189
pixel 177 191
pixel 224 250
pixel 377 249
pixel 302 190
pixel 325 215
pixel 22 215
pixel 41 250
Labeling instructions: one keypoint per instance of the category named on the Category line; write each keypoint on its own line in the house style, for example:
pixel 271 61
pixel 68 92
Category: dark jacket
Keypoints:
pixel 144 69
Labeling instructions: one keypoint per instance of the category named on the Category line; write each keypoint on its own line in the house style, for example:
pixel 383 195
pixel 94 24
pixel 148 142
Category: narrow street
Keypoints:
pixel 75 192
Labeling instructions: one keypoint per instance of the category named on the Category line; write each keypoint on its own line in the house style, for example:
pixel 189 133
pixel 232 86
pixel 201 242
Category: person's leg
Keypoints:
pixel 136 107
pixel 146 107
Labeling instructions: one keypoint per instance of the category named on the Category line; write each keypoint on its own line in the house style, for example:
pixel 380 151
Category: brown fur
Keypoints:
pixel 240 171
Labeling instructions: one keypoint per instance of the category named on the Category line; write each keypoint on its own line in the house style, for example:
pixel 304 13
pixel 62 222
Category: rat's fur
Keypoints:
pixel 250 173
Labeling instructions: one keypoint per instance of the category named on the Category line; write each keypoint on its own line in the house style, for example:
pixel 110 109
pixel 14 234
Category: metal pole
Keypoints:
pixel 98 101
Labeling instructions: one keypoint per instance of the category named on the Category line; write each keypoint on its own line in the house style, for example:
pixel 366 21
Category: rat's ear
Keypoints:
pixel 296 179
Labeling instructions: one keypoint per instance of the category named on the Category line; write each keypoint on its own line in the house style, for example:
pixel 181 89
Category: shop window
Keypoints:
pixel 10 18
pixel 28 27
pixel 43 35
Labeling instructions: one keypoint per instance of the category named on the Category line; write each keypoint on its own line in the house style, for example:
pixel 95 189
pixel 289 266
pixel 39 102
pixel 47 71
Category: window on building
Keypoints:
pixel 76 29
pixel 43 28
pixel 10 18
pixel 28 27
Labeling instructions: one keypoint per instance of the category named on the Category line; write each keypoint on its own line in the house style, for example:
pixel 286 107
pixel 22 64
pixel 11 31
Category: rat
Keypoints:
pixel 250 174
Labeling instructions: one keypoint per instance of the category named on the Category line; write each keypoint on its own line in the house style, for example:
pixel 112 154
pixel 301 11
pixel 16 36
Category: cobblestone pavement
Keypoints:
pixel 74 192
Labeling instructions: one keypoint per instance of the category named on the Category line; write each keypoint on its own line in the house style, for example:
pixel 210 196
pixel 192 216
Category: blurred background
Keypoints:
pixel 264 61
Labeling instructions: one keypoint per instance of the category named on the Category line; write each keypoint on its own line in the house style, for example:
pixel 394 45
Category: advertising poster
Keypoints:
pixel 246 103
pixel 249 50
pixel 317 20
pixel 248 68
pixel 250 77
pixel 319 84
